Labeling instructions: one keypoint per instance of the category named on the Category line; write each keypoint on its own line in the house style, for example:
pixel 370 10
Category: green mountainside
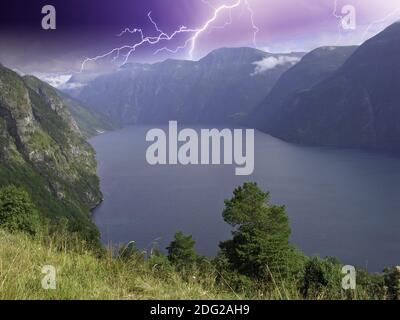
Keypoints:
pixel 89 123
pixel 44 151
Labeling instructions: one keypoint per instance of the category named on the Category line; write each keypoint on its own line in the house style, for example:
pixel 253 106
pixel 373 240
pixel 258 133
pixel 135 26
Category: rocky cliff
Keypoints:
pixel 44 151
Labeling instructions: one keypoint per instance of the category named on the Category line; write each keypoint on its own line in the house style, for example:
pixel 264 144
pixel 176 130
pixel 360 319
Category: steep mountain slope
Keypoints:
pixel 222 87
pixel 90 123
pixel 314 67
pixel 358 106
pixel 43 150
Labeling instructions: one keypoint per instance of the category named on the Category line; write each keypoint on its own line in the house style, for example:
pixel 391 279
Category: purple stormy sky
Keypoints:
pixel 87 28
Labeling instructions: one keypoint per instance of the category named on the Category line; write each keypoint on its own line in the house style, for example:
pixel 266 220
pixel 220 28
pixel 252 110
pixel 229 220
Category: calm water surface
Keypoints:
pixel 341 203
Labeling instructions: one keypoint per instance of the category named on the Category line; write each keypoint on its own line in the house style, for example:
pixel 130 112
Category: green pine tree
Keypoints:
pixel 260 245
pixel 181 251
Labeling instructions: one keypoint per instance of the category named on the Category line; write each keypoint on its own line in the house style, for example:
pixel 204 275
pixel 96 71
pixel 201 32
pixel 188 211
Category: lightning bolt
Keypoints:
pixel 217 11
pixel 189 44
pixel 226 24
pixel 255 28
pixel 193 40
pixel 132 48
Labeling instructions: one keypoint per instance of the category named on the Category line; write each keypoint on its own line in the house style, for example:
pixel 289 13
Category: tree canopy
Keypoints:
pixel 181 251
pixel 17 211
pixel 260 243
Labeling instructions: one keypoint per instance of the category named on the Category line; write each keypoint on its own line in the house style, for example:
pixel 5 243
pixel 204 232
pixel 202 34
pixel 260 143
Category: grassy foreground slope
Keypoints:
pixel 81 274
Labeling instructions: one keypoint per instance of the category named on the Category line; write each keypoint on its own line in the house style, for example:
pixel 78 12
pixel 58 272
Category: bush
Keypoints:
pixel 17 211
pixel 159 262
pixel 370 285
pixel 322 277
pixel 392 282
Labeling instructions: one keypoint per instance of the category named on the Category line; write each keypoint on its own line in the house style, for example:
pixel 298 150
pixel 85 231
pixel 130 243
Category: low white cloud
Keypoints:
pixel 272 62
pixel 71 86
pixel 20 73
pixel 55 80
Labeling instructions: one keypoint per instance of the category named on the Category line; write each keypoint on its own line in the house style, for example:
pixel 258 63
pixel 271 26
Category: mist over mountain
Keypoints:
pixel 223 87
pixel 356 106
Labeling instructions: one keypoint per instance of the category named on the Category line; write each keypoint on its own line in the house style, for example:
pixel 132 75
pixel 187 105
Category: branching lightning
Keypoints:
pixel 226 24
pixel 190 43
pixel 143 40
pixel 208 24
pixel 197 34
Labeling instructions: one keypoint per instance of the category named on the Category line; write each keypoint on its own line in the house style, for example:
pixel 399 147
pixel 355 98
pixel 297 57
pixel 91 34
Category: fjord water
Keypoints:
pixel 342 203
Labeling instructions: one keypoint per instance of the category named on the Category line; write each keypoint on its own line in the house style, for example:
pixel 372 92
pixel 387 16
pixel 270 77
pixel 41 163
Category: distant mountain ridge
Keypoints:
pixel 222 87
pixel 357 106
pixel 313 68
pixel 332 96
